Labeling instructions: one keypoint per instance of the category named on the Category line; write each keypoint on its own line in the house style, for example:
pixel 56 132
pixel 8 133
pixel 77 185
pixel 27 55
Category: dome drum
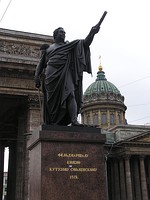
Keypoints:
pixel 92 97
pixel 103 105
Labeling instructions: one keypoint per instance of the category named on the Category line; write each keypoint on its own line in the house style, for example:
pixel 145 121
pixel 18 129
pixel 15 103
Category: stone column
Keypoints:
pixel 91 118
pixel 122 180
pixel 117 183
pixel 21 151
pixel 128 179
pixel 137 180
pixel 122 118
pixel 85 118
pixel 116 117
pixel 108 118
pixel 143 179
pixel 148 166
pixel 112 180
pixel 99 118
pixel 35 117
pixel 1 169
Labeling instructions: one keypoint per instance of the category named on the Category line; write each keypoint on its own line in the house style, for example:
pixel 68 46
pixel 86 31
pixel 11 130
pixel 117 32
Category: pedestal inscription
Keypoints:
pixel 74 165
pixel 66 165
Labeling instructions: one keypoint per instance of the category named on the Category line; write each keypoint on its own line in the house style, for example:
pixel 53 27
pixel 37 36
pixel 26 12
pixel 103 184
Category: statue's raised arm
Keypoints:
pixel 95 29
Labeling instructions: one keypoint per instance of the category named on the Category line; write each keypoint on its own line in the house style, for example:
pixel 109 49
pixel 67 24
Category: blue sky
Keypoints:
pixel 123 41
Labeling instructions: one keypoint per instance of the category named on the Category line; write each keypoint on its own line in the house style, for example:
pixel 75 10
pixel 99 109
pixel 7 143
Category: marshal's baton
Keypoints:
pixel 101 19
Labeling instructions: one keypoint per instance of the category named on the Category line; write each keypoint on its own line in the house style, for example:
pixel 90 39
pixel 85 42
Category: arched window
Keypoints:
pixel 112 119
pixel 119 119
pixel 104 119
pixel 95 119
pixel 88 120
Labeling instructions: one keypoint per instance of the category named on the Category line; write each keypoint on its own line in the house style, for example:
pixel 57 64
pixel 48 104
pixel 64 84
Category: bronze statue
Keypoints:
pixel 63 64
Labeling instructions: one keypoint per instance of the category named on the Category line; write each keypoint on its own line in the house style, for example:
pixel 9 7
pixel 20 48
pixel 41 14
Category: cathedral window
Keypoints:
pixel 119 119
pixel 95 119
pixel 112 119
pixel 88 120
pixel 104 119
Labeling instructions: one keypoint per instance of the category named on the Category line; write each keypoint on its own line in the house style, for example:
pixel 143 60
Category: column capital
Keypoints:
pixel 126 157
pixel 34 101
pixel 142 157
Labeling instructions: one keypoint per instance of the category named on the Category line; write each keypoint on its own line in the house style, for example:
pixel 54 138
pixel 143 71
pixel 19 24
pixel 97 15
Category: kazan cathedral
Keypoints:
pixel 127 147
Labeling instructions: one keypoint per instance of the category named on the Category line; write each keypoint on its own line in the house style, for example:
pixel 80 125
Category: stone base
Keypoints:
pixel 67 163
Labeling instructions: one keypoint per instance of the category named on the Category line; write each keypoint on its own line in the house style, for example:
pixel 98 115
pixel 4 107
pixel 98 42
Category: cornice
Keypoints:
pixel 20 35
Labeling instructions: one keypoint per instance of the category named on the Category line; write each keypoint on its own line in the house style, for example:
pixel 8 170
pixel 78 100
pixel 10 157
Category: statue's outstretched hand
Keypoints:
pixel 95 29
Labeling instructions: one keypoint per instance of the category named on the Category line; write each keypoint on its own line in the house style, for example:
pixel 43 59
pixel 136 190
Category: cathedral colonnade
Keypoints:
pixel 129 177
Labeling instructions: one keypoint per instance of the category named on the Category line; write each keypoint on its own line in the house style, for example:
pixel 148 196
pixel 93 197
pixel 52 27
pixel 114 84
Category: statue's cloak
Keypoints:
pixel 63 75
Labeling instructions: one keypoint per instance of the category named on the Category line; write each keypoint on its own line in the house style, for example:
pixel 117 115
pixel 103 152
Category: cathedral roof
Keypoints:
pixel 101 85
pixel 102 89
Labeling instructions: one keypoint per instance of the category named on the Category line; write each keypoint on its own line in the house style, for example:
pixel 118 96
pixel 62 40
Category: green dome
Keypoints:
pixel 101 85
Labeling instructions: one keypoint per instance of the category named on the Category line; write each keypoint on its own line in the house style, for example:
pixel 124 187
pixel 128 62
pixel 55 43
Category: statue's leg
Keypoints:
pixel 72 109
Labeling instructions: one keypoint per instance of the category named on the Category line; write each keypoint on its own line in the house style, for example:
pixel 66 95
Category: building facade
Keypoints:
pixel 19 105
pixel 128 163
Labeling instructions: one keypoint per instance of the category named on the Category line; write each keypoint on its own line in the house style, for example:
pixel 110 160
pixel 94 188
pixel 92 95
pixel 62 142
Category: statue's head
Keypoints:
pixel 59 34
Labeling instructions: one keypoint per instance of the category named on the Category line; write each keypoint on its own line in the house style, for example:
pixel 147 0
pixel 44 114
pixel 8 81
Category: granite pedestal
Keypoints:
pixel 67 163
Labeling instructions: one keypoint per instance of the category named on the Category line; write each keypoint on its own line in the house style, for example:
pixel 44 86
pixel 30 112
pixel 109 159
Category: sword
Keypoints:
pixel 40 103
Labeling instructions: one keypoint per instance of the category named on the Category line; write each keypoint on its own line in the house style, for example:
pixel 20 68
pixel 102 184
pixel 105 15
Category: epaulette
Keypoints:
pixel 44 46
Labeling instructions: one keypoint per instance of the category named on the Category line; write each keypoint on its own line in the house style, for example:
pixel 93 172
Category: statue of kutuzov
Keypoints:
pixel 63 64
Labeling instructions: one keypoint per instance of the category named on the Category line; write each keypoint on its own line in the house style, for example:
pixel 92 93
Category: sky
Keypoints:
pixel 123 41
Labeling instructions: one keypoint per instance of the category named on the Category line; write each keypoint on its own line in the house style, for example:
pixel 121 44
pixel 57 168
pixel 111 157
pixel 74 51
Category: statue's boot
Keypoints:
pixel 75 122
